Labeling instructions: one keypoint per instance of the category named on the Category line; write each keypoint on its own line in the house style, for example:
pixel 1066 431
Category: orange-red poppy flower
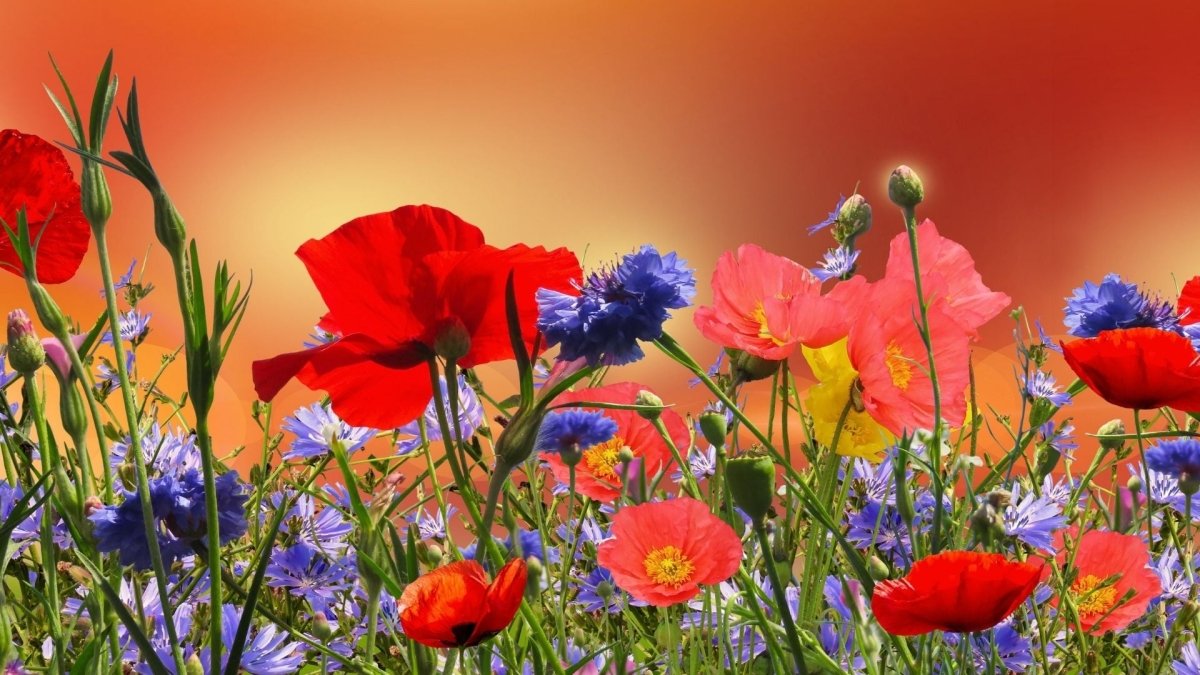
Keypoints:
pixel 662 552
pixel 1108 565
pixel 401 287
pixel 35 176
pixel 955 591
pixel 598 474
pixel 1142 368
pixel 454 606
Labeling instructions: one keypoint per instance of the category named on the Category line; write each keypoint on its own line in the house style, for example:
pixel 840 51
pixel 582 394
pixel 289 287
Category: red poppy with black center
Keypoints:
pixel 955 591
pixel 454 606
pixel 1139 368
pixel 401 287
pixel 35 176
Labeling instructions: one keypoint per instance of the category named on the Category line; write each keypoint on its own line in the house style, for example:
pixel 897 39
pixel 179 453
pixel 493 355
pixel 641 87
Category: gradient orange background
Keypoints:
pixel 1057 140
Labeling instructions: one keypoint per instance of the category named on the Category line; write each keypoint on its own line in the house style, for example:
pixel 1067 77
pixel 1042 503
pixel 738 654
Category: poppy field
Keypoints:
pixel 884 519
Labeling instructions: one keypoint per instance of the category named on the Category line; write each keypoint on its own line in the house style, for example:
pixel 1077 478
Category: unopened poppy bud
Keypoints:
pixel 533 578
pixel 625 455
pixel 453 341
pixel 853 220
pixel 748 368
pixel 1189 483
pixel 1111 428
pixel 877 568
pixel 193 666
pixel 95 200
pixel 652 405
pixel 986 523
pixel 1134 484
pixel 714 428
pixel 605 590
pixel 45 307
pixel 905 188
pixel 751 480
pixel 518 439
pixel 25 351
pixel 321 628
pixel 999 499
pixel 1047 459
pixel 73 415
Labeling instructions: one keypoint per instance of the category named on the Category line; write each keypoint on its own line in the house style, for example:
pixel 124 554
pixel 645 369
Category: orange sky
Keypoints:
pixel 1057 140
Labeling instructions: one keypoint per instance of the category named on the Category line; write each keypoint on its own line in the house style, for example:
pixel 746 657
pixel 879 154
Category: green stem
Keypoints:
pixel 789 624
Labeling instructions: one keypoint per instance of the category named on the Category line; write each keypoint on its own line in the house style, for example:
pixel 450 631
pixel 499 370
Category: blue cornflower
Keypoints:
pixel 529 543
pixel 1033 518
pixel 837 636
pixel 590 530
pixel 1045 340
pixel 591 599
pixel 316 427
pixel 1178 457
pixel 307 574
pixel 838 262
pixel 1015 651
pixel 27 531
pixel 119 528
pixel 5 375
pixel 107 378
pixel 1172 576
pixel 1059 438
pixel 325 530
pixel 880 526
pixel 173 452
pixel 712 372
pixel 188 518
pixel 470 418
pixel 1042 385
pixel 875 482
pixel 829 219
pixel 616 308
pixel 133 326
pixel 1112 304
pixel 268 651
pixel 320 337
pixel 702 464
pixel 433 525
pixel 15 667
pixel 574 429
pixel 1189 663
pixel 1162 488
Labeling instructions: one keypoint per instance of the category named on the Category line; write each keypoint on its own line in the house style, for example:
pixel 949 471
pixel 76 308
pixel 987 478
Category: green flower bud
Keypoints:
pixel 605 590
pixel 653 405
pixel 516 442
pixel 72 413
pixel 999 499
pixel 668 635
pixel 748 368
pixel 453 341
pixel 533 579
pixel 625 455
pixel 193 666
pixel 321 628
pixel 1188 612
pixel 1112 428
pixel 46 308
pixel 96 202
pixel 1134 484
pixel 987 523
pixel 751 480
pixel 25 351
pixel 853 220
pixel 877 568
pixel 905 188
pixel 1189 484
pixel 168 224
pixel 715 428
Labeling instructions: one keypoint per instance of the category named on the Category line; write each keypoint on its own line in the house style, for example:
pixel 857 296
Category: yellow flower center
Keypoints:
pixel 601 459
pixel 668 565
pixel 899 366
pixel 1090 598
pixel 759 316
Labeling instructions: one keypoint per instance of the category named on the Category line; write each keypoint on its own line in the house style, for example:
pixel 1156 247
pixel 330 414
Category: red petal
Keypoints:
pixel 368 270
pixel 503 600
pixel 370 384
pixel 436 604
pixel 34 175
pixel 1140 368
pixel 1189 302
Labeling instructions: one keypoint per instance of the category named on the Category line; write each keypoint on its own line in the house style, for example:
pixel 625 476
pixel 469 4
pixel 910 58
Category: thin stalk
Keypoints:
pixel 789 624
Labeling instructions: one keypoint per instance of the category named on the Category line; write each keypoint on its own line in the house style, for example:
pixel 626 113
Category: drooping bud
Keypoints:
pixel 748 368
pixel 453 341
pixel 25 351
pixel 714 428
pixel 853 220
pixel 751 479
pixel 652 405
pixel 1113 427
pixel 905 188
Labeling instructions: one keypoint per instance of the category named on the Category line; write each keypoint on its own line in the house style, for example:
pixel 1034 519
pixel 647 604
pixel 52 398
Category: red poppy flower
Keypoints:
pixel 398 286
pixel 597 475
pixel 955 591
pixel 1142 368
pixel 1189 302
pixel 454 606
pixel 1099 557
pixel 662 552
pixel 35 176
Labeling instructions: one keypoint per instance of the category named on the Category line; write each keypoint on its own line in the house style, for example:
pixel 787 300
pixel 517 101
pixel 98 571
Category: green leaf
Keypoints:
pixel 524 364
pixel 106 89
pixel 131 625
pixel 77 125
pixel 85 658
pixel 394 588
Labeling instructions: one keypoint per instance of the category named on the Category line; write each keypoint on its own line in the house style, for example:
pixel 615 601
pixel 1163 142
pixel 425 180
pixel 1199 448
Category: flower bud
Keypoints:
pixel 751 480
pixel 986 523
pixel 46 308
pixel 1188 612
pixel 999 499
pixel 625 455
pixel 95 200
pixel 25 351
pixel 714 428
pixel 605 590
pixel 905 188
pixel 74 572
pixel 748 368
pixel 533 578
pixel 877 568
pixel 73 415
pixel 321 628
pixel 1112 428
pixel 453 341
pixel 516 442
pixel 1189 483
pixel 193 666
pixel 653 405
pixel 853 219
pixel 1134 484
pixel 168 224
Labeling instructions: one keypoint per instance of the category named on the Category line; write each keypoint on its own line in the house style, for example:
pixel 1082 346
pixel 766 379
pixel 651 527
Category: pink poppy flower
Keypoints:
pixel 766 305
